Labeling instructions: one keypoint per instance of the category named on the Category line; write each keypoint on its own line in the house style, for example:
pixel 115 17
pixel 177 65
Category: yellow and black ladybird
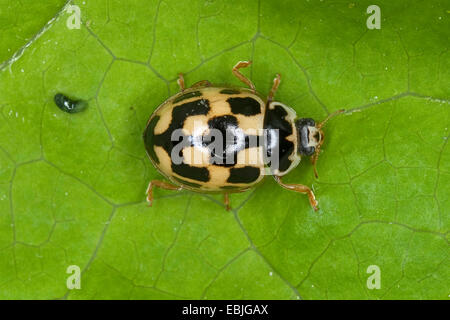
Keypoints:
pixel 224 139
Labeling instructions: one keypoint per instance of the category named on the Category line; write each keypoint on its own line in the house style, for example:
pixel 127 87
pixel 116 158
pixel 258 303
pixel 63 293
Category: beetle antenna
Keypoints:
pixel 331 115
pixel 322 137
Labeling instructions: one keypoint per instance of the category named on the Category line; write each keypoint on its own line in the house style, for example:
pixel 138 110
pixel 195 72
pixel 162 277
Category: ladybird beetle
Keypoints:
pixel 179 135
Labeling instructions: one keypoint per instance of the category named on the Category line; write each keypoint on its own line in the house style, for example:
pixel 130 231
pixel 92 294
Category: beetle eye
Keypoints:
pixel 309 151
pixel 317 136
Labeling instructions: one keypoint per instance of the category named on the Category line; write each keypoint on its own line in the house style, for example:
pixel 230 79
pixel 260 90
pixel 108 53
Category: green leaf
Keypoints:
pixel 21 21
pixel 72 186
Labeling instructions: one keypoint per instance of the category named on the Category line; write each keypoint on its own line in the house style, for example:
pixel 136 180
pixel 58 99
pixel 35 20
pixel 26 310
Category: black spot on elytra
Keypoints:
pixel 230 91
pixel 191 172
pixel 246 106
pixel 233 140
pixel 149 139
pixel 223 123
pixel 280 128
pixel 226 153
pixel 187 96
pixel 246 174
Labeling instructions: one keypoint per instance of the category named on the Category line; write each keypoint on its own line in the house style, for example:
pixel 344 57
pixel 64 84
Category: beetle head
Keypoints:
pixel 311 137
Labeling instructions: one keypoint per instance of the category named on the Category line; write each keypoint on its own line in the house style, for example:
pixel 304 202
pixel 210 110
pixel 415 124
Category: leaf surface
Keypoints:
pixel 72 186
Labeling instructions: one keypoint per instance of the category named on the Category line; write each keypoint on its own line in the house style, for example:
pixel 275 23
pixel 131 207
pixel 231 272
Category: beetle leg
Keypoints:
pixel 276 83
pixel 201 83
pixel 226 200
pixel 299 188
pixel 180 81
pixel 240 76
pixel 159 184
